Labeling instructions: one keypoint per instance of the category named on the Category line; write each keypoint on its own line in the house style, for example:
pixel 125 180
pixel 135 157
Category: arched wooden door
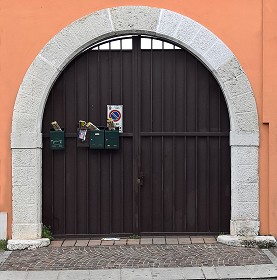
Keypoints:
pixel 172 171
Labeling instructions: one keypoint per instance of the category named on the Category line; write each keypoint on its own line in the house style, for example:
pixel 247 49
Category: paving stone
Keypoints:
pixel 68 243
pixel 136 274
pixel 171 240
pixel 56 243
pixel 184 240
pixel 159 240
pixel 146 241
pixel 80 243
pixel 107 242
pixel 105 274
pixel 210 240
pixel 94 243
pixel 196 240
pixel 43 275
pixel 120 242
pixel 13 275
pixel 133 241
pixel 73 275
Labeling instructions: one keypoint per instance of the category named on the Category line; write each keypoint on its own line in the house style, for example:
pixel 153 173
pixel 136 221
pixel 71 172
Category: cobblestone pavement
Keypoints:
pixel 136 256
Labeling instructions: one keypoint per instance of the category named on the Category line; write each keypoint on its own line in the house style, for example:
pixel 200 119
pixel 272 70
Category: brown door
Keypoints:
pixel 172 172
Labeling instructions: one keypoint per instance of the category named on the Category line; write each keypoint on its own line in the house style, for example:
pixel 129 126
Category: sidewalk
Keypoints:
pixel 141 262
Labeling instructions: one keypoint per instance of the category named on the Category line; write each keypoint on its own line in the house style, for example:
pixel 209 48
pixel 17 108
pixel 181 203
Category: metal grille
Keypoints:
pixel 172 172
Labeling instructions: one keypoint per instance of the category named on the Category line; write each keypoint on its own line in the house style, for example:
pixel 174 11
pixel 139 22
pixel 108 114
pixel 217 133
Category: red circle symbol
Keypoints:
pixel 115 115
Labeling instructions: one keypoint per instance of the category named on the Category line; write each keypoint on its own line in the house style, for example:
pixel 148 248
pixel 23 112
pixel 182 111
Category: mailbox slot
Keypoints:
pixel 56 139
pixel 97 139
pixel 112 139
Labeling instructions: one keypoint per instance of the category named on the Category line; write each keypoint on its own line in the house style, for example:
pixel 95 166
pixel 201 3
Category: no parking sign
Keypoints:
pixel 115 112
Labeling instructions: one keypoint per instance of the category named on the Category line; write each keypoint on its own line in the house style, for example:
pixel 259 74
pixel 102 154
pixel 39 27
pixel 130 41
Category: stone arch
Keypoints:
pixel 26 138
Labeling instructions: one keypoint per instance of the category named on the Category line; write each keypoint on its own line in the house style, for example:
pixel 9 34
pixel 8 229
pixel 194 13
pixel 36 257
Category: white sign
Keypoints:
pixel 115 112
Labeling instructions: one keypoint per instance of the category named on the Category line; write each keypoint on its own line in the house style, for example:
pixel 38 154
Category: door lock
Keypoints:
pixel 140 179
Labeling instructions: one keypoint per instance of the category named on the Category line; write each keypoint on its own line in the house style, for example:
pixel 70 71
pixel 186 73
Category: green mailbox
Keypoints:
pixel 97 139
pixel 112 139
pixel 56 139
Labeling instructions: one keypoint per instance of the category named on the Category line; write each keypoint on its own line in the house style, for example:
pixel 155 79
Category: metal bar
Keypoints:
pixel 157 134
pixel 110 155
pixel 76 160
pixel 52 167
pixel 64 158
pixel 219 163
pixel 139 121
pixel 99 155
pixel 136 135
pixel 87 152
pixel 208 184
pixel 151 128
pixel 121 143
pixel 185 191
pixel 162 98
pixel 174 144
pixel 208 162
pixel 196 150
pixel 192 134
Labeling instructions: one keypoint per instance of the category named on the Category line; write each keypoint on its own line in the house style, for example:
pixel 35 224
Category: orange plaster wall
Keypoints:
pixel 270 105
pixel 26 26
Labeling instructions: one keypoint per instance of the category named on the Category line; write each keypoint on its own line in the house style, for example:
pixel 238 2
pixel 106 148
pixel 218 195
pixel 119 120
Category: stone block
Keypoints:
pixel 244 227
pixel 26 140
pixel 53 53
pixel 168 23
pixel 28 104
pixel 134 19
pixel 245 155
pixel 230 70
pixel 245 173
pixel 203 41
pixel 247 121
pixel 26 176
pixel 250 241
pixel 31 86
pixel 27 244
pixel 25 213
pixel 246 210
pixel 187 30
pixel 244 138
pixel 238 86
pixel 67 41
pixel 243 103
pixel 248 192
pixel 42 70
pixel 3 225
pixel 218 54
pixel 25 157
pixel 88 28
pixel 26 231
pixel 23 122
pixel 24 195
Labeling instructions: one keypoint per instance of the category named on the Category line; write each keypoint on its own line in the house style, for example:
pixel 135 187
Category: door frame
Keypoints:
pixel 26 138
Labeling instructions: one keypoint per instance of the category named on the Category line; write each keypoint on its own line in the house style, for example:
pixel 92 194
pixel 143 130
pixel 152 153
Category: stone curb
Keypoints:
pixel 221 272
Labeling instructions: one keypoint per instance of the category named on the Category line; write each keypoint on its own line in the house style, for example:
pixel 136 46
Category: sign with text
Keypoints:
pixel 115 112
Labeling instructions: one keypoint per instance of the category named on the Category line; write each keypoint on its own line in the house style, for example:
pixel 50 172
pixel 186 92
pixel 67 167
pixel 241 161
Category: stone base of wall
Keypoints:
pixel 27 244
pixel 248 241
